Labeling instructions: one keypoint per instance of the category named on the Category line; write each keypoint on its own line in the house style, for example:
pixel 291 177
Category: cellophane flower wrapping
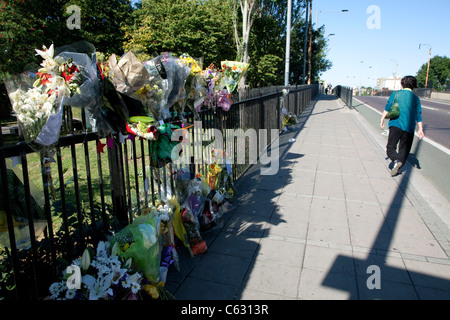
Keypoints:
pixel 224 100
pixel 192 211
pixel 200 92
pixel 87 95
pixel 177 74
pixel 33 107
pixel 195 88
pixel 177 222
pixel 212 77
pixel 161 148
pixel 141 241
pixel 169 254
pixel 154 94
pixel 233 72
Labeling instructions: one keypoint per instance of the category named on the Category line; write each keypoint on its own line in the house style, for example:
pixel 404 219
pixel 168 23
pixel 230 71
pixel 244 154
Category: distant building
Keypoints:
pixel 390 83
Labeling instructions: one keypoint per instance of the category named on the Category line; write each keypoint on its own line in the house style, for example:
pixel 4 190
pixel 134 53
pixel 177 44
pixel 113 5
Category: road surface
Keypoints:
pixel 436 117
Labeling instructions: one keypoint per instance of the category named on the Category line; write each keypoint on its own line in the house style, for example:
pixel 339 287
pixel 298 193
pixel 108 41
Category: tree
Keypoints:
pixel 248 9
pixel 199 28
pixel 439 74
pixel 20 29
pixel 26 25
pixel 102 23
pixel 267 43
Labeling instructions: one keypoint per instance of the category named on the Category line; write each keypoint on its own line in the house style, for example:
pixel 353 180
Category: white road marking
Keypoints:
pixel 430 108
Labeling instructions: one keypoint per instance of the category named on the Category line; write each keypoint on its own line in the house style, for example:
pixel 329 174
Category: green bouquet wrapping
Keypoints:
pixel 141 242
pixel 161 148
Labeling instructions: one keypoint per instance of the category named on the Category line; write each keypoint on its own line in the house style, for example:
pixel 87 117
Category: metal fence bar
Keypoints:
pixel 68 254
pixel 101 187
pixel 26 184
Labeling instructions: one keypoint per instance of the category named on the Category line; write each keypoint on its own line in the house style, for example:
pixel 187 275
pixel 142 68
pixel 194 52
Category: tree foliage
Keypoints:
pixel 26 25
pixel 199 28
pixel 439 74
pixel 268 46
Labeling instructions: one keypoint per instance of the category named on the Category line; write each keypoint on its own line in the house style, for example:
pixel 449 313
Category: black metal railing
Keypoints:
pixel 345 93
pixel 53 204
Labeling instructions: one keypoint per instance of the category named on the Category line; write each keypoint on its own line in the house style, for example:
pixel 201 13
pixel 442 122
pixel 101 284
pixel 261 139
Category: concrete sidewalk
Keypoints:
pixel 332 224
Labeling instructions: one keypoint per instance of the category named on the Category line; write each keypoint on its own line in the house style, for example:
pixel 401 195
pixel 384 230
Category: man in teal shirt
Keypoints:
pixel 401 129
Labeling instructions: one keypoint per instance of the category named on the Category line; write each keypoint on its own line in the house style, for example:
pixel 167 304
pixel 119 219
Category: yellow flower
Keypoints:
pixel 151 290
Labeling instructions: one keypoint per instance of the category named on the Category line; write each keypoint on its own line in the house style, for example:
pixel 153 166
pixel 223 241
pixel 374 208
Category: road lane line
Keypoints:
pixel 433 143
pixel 430 108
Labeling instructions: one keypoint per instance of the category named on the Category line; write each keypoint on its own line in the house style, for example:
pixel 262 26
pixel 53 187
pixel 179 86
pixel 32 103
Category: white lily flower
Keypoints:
pixel 115 250
pixel 98 288
pixel 118 274
pixel 102 249
pixel 136 277
pixel 46 53
pixel 128 263
pixel 85 260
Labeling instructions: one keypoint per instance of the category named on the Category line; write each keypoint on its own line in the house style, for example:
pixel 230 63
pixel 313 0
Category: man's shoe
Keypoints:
pixel 396 169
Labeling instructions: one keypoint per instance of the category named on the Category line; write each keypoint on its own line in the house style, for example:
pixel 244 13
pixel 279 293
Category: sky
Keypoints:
pixel 376 38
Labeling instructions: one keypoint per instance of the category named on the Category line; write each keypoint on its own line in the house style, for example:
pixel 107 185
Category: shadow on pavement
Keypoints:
pixel 393 283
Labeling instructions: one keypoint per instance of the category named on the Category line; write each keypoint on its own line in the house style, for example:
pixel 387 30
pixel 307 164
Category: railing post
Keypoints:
pixel 117 183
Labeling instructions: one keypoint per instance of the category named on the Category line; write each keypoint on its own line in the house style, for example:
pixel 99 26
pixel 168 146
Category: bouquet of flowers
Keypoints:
pixel 212 77
pixel 142 126
pixel 162 147
pixel 154 94
pixel 33 108
pixel 36 97
pixel 127 73
pixel 288 118
pixel 141 241
pixel 57 73
pixel 80 75
pixel 177 74
pixel 233 71
pixel 169 254
pixel 224 100
pixel 195 88
pixel 105 276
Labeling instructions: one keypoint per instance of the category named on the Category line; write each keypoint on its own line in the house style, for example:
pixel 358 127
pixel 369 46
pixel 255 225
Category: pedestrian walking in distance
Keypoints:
pixel 401 129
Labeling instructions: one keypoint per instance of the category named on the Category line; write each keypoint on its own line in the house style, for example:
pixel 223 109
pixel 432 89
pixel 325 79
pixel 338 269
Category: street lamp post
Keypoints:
pixel 305 45
pixel 288 43
pixel 319 11
pixel 429 60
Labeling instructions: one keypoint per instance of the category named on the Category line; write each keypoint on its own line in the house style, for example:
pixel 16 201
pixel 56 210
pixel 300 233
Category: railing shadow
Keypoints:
pixel 394 283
